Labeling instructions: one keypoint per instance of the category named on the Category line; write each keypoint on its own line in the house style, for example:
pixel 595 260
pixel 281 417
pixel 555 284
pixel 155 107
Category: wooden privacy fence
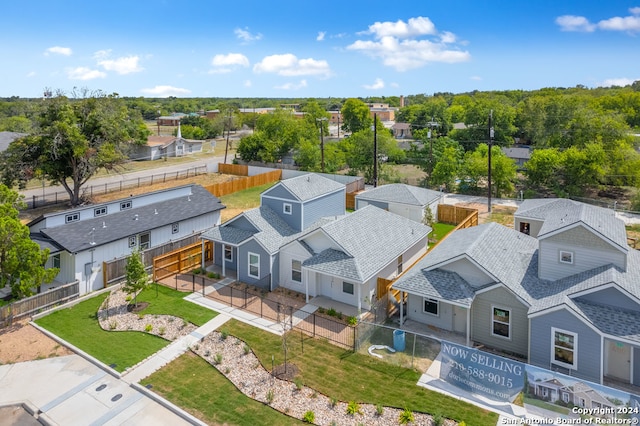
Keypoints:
pixel 39 302
pixel 181 260
pixel 233 169
pixel 455 215
pixel 240 184
pixel 350 202
pixel 114 270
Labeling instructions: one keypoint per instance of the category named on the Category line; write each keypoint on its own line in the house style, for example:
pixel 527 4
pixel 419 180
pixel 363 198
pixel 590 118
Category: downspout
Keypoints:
pixel 271 272
pixel 601 359
pixel 306 285
pixel 202 255
pixel 223 260
pixel 469 326
pixel 401 308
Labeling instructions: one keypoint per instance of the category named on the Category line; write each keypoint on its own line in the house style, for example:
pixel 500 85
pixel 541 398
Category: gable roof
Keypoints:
pixel 161 141
pixel 308 186
pixel 370 238
pixel 401 193
pixel 77 236
pixel 436 284
pixel 560 213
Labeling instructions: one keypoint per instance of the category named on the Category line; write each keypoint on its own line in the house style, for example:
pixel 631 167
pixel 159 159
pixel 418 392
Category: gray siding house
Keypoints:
pixel 300 238
pixel 406 200
pixel 79 240
pixel 561 290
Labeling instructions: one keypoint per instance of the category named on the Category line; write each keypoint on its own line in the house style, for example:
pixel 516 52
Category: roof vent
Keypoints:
pixel 155 211
pixel 92 241
pixel 189 198
pixel 104 224
pixel 135 217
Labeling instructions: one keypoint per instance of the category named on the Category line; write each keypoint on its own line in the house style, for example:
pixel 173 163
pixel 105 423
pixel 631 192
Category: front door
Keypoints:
pixel 459 319
pixel 618 360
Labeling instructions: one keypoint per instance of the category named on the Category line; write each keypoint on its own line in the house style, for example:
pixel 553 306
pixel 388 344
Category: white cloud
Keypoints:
pixel 574 23
pixel 379 84
pixel 413 27
pixel 627 23
pixel 321 35
pixel 227 63
pixel 410 45
pixel 84 73
pixel 247 83
pixel 635 10
pixel 246 36
pixel 31 74
pixel 65 51
pixel 404 55
pixel 123 65
pixel 289 65
pixel 165 91
pixel 618 82
pixel 292 86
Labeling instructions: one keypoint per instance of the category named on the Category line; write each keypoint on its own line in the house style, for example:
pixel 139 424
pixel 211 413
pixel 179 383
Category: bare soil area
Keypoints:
pixel 23 342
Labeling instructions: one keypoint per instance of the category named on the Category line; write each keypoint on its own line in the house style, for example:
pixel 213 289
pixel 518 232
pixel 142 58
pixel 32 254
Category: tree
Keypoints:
pixel 355 116
pixel 542 168
pixel 137 278
pixel 21 259
pixel 503 169
pixel 447 169
pixel 358 149
pixel 74 140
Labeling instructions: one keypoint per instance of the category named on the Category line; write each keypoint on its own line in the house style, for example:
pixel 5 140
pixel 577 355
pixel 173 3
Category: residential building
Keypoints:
pixel 560 290
pixel 520 154
pixel 406 200
pixel 158 147
pixel 81 239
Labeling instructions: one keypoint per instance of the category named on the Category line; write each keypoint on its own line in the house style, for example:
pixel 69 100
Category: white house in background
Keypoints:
pixel 158 147
pixel 80 239
pixel 406 200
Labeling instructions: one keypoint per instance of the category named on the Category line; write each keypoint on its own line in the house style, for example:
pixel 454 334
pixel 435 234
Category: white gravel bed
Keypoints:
pixel 236 361
pixel 114 316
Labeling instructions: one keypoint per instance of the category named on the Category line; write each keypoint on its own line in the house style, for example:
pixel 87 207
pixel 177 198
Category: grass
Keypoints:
pixel 546 405
pixel 440 230
pixel 200 389
pixel 171 302
pixel 242 200
pixel 349 376
pixel 79 326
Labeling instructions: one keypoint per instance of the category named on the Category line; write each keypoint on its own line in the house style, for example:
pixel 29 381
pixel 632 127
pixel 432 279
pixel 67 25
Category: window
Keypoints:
pixel 296 270
pixel 175 228
pixel 254 265
pixel 56 260
pixel 565 397
pixel 525 228
pixel 100 211
pixel 286 208
pixel 399 265
pixel 500 321
pixel 564 348
pixel 145 241
pixel 132 241
pixel 566 257
pixel 125 205
pixel 430 306
pixel 347 287
pixel 73 217
pixel 228 253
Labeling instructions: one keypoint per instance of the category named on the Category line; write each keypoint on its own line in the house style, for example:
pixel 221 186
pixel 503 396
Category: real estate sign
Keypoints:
pixel 480 372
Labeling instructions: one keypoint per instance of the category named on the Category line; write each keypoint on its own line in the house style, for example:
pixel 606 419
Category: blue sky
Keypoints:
pixel 282 48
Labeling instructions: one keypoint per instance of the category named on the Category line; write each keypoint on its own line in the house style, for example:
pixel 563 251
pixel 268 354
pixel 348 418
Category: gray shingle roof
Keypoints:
pixel 334 262
pixel 273 230
pixel 562 213
pixel 311 185
pixel 373 238
pixel 436 284
pixel 77 236
pixel 612 320
pixel 401 193
pixel 228 234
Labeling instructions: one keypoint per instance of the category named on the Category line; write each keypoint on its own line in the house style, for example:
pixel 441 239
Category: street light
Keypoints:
pixel 321 120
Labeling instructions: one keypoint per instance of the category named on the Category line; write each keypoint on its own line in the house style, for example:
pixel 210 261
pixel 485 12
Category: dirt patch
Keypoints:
pixel 141 306
pixel 23 342
pixel 285 372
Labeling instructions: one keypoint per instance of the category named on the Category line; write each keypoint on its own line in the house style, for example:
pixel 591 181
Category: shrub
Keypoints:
pixel 140 316
pixel 332 312
pixel 314 394
pixel 128 298
pixel 339 315
pixel 246 349
pixel 211 275
pixel 270 396
pixel 218 358
pixel 321 310
pixel 148 328
pixel 353 321
pixel 196 271
pixel 298 382
pixel 113 325
pixel 353 408
pixel 162 330
pixel 309 417
pixel 438 419
pixel 224 335
pixel 379 410
pixel 333 402
pixel 406 416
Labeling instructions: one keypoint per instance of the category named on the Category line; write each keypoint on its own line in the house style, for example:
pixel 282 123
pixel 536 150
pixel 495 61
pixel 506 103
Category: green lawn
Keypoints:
pixel 350 376
pixel 171 302
pixel 197 387
pixel 247 199
pixel 79 326
pixel 440 230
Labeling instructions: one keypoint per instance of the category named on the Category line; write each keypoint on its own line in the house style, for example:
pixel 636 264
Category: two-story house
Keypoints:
pixel 300 238
pixel 561 290
pixel 80 239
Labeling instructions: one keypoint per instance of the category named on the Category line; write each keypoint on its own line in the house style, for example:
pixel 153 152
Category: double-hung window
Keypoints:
pixel 430 306
pixel 296 271
pixel 501 322
pixel 564 344
pixel 254 265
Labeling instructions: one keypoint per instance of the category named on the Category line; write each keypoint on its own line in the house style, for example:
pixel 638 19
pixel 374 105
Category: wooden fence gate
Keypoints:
pixel 181 260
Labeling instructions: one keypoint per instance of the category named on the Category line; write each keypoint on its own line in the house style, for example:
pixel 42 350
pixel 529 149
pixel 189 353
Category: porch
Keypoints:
pixel 327 303
pixel 228 273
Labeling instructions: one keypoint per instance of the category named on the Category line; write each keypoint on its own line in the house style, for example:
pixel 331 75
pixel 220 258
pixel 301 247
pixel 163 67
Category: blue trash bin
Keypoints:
pixel 398 340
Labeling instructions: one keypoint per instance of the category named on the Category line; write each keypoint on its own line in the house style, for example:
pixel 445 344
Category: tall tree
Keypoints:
pixel 355 116
pixel 359 152
pixel 74 140
pixel 21 259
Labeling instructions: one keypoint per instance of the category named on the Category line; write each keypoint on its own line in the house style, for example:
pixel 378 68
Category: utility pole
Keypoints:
pixel 489 170
pixel 375 150
pixel 321 121
pixel 226 148
pixel 431 124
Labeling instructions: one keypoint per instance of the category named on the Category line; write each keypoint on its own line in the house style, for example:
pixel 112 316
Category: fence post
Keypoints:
pixel 193 283
pixel 231 288
pixel 203 285
pixel 34 202
pixel 314 324
pixel 176 282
